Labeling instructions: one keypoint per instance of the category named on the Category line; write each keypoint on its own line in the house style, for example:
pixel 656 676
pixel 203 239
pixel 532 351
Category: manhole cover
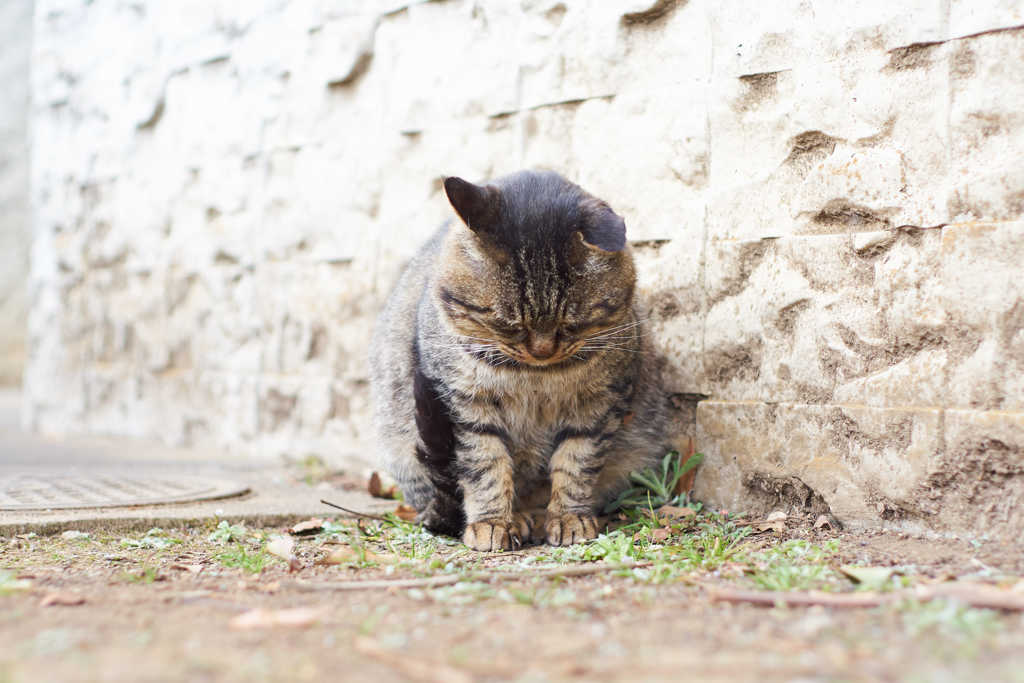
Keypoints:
pixel 64 491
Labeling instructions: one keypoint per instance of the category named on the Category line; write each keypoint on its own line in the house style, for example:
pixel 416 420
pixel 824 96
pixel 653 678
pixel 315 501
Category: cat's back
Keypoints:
pixel 391 347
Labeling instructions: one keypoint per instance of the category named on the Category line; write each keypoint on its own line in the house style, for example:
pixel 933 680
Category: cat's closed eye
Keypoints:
pixel 508 330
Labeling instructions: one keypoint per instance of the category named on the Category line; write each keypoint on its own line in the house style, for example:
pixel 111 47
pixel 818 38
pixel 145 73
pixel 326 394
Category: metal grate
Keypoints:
pixel 66 491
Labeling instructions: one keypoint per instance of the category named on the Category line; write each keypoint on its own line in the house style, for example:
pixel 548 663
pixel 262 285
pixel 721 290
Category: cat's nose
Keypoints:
pixel 541 346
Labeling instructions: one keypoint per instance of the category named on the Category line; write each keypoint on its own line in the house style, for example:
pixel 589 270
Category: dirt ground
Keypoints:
pixel 228 603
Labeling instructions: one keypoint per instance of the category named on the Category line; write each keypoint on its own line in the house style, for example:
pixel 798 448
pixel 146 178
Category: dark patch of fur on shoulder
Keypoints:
pixel 436 450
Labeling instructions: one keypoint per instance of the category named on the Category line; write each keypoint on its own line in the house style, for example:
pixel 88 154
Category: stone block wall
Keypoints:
pixel 825 200
pixel 15 228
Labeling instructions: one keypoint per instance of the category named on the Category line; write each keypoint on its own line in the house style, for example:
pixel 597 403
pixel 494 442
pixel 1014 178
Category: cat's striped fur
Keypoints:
pixel 510 370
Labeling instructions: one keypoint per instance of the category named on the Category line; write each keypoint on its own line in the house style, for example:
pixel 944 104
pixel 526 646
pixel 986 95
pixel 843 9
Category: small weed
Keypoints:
pixel 225 533
pixel 948 618
pixel 240 558
pixel 155 539
pixel 613 547
pixel 145 575
pixel 796 565
pixel 654 487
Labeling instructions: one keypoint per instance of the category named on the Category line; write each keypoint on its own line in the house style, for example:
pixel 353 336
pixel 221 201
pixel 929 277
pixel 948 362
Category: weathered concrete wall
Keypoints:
pixel 826 203
pixel 15 231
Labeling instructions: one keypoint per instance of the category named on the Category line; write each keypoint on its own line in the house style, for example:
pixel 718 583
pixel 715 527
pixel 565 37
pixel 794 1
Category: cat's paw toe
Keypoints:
pixel 492 535
pixel 570 528
pixel 524 525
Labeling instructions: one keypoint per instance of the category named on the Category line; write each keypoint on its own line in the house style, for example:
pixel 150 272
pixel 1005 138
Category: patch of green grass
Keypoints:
pixel 252 561
pixel 952 630
pixel 654 487
pixel 225 533
pixel 948 618
pixel 155 538
pixel 403 539
pixel 545 595
pixel 145 575
pixel 796 565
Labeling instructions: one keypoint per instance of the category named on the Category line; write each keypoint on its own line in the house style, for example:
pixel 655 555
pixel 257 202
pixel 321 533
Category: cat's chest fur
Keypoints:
pixel 531 407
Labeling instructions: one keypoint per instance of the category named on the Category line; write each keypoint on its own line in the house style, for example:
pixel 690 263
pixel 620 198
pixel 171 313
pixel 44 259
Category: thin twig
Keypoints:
pixel 428 582
pixel 975 596
pixel 447 579
pixel 796 599
pixel 364 515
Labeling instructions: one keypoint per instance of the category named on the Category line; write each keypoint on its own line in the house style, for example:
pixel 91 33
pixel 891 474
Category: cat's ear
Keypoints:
pixel 476 205
pixel 605 230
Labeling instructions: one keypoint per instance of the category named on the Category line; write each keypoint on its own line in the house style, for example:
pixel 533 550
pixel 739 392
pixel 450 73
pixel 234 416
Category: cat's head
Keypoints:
pixel 537 269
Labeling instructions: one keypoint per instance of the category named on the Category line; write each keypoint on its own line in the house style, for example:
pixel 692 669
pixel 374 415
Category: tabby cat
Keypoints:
pixel 510 370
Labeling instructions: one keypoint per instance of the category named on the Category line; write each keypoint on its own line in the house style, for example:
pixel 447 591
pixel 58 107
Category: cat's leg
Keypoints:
pixel 425 483
pixel 488 488
pixel 570 513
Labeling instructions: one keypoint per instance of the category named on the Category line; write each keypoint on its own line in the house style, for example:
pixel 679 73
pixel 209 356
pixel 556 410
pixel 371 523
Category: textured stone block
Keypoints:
pixel 211 322
pixel 781 34
pixel 987 127
pixel 826 318
pixel 669 288
pixel 983 296
pixel 968 17
pixel 576 51
pixel 860 463
pixel 600 147
pixel 314 319
pixel 977 485
pixel 450 64
pixel 831 147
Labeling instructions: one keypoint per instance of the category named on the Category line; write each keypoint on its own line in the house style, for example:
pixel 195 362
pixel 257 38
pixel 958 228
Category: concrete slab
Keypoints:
pixel 275 495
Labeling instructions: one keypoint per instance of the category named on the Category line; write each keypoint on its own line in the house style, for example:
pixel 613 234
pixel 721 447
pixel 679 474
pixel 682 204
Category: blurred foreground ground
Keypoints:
pixel 229 593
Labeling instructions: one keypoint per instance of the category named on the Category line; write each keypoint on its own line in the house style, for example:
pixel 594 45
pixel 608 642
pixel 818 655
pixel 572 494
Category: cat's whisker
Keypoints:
pixel 612 348
pixel 620 328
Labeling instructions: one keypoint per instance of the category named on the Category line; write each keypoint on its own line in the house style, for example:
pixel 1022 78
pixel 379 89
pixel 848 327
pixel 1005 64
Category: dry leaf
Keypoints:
pixel 675 512
pixel 62 598
pixel 309 526
pixel 823 522
pixel 660 534
pixel 374 485
pixel 776 521
pixel 406 512
pixel 281 546
pixel 377 490
pixel 686 481
pixel 268 618
pixel 347 554
pixel 869 577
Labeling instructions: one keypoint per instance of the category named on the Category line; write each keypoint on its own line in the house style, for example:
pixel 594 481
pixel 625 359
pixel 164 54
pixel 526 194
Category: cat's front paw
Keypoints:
pixel 492 535
pixel 568 528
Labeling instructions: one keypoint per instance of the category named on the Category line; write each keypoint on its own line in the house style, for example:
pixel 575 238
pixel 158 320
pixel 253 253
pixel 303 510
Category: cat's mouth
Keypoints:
pixel 523 355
